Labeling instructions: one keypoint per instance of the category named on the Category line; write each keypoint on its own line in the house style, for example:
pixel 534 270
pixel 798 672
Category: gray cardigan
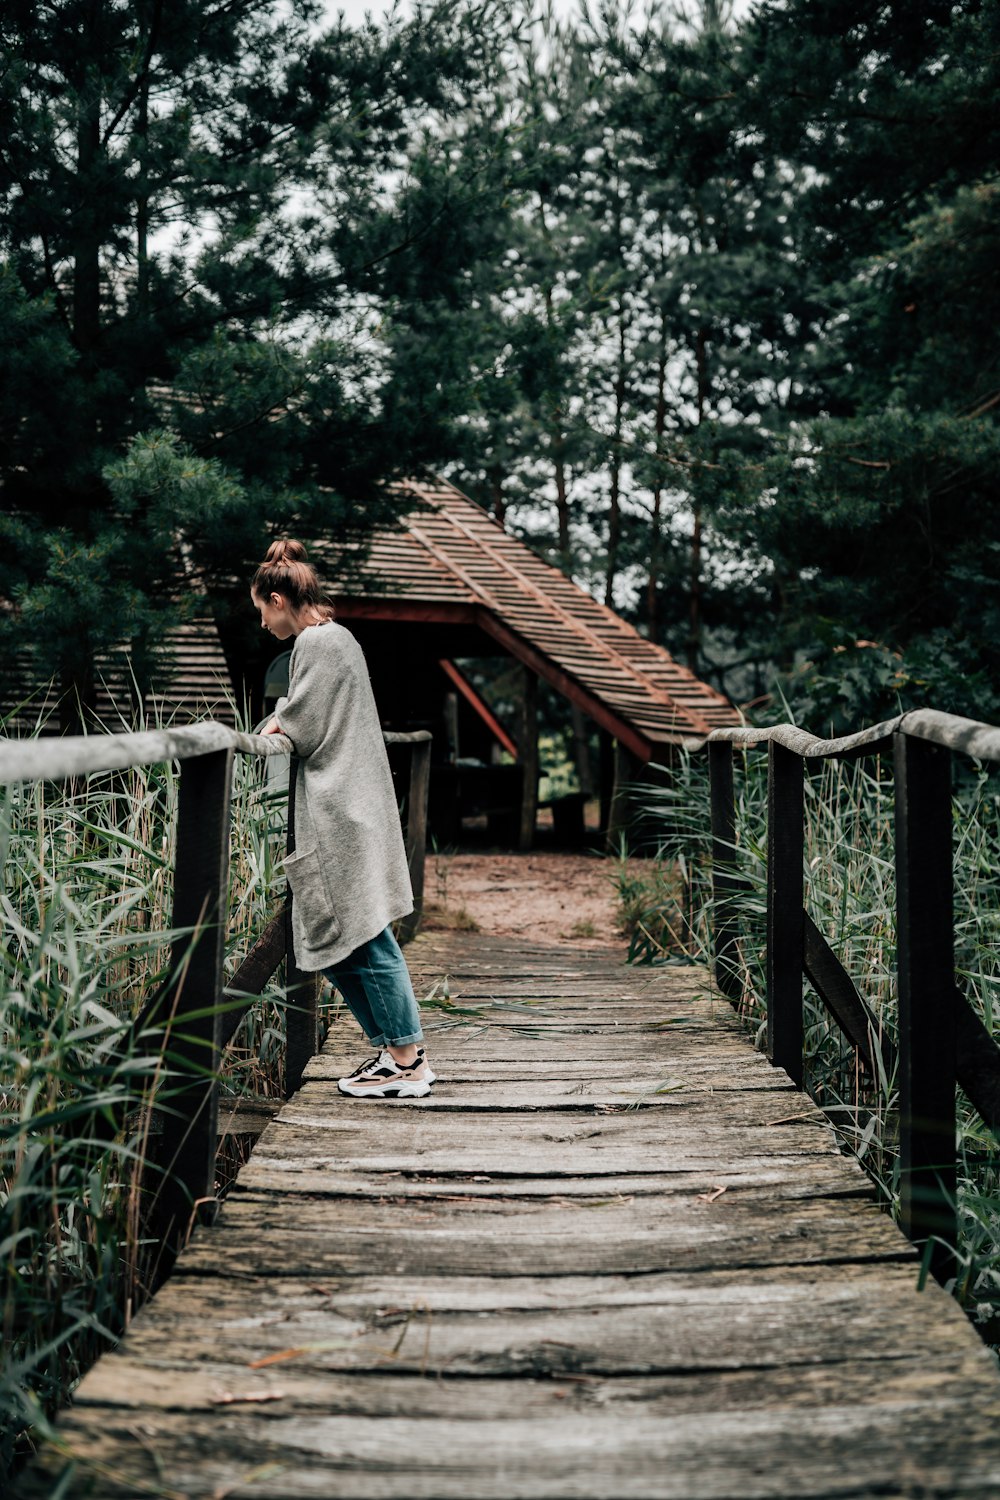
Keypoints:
pixel 348 874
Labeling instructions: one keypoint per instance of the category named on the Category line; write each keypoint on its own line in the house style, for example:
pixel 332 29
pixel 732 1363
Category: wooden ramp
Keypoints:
pixel 615 1254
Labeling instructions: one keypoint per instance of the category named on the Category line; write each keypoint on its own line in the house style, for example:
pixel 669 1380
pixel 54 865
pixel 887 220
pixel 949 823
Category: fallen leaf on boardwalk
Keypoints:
pixel 717 1192
pixel 276 1359
pixel 231 1398
pixel 323 1348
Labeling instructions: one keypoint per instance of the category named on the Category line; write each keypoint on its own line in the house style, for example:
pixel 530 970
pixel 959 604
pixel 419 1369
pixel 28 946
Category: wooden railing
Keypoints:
pixel 192 1019
pixel 941 1039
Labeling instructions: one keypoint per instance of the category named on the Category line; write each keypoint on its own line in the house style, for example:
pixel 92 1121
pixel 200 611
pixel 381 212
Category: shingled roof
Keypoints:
pixel 451 562
pixel 191 682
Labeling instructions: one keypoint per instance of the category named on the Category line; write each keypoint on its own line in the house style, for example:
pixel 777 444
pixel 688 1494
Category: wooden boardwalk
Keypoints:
pixel 615 1254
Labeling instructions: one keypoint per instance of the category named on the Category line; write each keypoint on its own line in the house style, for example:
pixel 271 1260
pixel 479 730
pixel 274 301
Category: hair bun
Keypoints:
pixel 285 550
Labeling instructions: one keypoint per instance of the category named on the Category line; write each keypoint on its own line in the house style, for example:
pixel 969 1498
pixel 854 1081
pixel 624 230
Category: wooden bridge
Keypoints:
pixel 616 1253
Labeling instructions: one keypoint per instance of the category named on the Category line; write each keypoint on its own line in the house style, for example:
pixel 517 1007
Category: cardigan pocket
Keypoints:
pixel 313 911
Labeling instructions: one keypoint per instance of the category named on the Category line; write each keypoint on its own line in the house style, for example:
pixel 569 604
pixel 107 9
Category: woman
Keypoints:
pixel 348 874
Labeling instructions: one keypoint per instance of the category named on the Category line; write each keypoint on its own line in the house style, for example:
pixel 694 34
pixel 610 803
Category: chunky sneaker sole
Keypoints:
pixel 392 1088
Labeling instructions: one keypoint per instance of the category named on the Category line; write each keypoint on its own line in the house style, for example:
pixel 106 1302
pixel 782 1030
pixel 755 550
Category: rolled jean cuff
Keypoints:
pixel 403 1041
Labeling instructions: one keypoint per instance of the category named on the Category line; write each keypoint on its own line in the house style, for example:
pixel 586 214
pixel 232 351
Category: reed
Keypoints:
pixel 850 894
pixel 88 872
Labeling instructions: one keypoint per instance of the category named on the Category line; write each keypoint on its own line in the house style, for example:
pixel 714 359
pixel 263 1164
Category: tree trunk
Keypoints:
pixel 562 502
pixel 497 496
pixel 152 11
pixel 694 586
pixel 614 495
pixel 694 616
pixel 558 440
pixel 86 238
pixel 142 206
pixel 656 540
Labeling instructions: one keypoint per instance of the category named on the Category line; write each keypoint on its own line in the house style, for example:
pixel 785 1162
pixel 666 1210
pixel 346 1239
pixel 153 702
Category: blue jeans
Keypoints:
pixel 376 985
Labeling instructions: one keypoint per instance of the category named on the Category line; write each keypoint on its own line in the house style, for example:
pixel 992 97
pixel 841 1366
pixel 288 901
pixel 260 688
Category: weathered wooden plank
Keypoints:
pixel 627 1007
pixel 815 1315
pixel 291 1235
pixel 747 1109
pixel 555 1043
pixel 174 1386
pixel 466 1061
pixel 556 1448
pixel 673 1088
pixel 668 1040
pixel 789 1287
pixel 822 1319
pixel 443 1149
pixel 512 1088
pixel 828 1176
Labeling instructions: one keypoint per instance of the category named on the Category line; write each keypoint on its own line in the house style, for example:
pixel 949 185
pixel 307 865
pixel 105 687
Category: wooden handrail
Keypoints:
pixel 196 1014
pixel 941 1040
pixel 59 759
pixel 969 736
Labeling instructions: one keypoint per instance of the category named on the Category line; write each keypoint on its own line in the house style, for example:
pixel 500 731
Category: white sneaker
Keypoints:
pixel 385 1078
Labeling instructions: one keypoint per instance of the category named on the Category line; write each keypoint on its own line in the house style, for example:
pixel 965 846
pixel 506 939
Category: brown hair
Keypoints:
pixel 287 571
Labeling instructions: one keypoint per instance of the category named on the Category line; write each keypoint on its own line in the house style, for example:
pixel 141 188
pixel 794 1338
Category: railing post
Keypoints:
pixel 189 1013
pixel 725 881
pixel 926 998
pixel 784 910
pixel 416 831
pixel 301 988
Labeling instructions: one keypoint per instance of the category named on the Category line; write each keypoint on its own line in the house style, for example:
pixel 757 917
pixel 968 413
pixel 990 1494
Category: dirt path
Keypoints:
pixel 543 898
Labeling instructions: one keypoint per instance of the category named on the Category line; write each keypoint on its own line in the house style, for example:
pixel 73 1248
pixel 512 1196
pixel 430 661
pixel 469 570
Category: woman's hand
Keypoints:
pixel 272 727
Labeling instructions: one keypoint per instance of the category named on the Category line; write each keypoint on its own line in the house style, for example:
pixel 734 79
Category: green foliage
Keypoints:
pixel 197 235
pixel 88 876
pixel 850 895
pixel 880 516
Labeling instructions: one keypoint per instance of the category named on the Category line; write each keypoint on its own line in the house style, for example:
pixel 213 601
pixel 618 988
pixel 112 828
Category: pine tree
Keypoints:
pixel 193 236
pixel 886 531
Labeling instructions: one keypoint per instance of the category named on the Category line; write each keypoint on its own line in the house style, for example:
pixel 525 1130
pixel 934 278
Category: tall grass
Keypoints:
pixel 850 894
pixel 87 897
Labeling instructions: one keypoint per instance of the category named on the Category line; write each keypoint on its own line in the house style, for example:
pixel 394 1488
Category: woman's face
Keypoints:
pixel 275 615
